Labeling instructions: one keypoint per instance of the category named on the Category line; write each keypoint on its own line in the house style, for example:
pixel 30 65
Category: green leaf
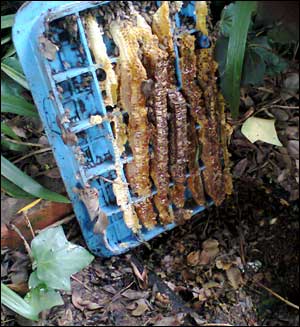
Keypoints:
pixel 7 21
pixel 227 19
pixel 11 51
pixel 13 69
pixel 235 54
pixel 7 130
pixel 34 281
pixel 6 143
pixel 274 63
pixel 57 259
pixel 26 183
pixel 42 298
pixel 13 190
pixel 10 87
pixel 14 302
pixel 17 105
pixel 259 129
pixel 5 39
pixel 254 68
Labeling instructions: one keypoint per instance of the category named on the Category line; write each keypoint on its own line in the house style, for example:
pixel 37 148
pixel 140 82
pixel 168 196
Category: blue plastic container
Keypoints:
pixel 45 78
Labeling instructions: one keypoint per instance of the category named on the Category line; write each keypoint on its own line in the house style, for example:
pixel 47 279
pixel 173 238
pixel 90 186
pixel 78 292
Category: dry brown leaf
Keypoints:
pixel 223 263
pixel 210 244
pixel 193 258
pixel 77 300
pixel 211 284
pixel 204 258
pixel 135 295
pixel 109 289
pixel 141 308
pixel 235 277
pixel 171 321
pixel 162 298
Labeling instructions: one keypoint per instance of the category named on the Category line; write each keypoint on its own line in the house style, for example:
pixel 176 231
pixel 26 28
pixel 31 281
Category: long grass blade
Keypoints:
pixel 17 105
pixel 235 54
pixel 14 302
pixel 26 183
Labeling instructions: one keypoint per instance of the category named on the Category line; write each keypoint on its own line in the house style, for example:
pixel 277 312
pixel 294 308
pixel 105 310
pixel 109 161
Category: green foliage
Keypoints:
pixel 7 21
pixel 13 190
pixel 55 260
pixel 235 54
pixel 27 184
pixel 52 248
pixel 13 69
pixel 17 105
pixel 240 67
pixel 13 84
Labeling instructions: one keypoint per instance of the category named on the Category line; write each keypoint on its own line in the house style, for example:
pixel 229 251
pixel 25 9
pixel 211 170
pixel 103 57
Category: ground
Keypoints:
pixel 255 240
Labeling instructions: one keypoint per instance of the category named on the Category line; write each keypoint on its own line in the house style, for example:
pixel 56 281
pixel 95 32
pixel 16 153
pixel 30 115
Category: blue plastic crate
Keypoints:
pixel 96 155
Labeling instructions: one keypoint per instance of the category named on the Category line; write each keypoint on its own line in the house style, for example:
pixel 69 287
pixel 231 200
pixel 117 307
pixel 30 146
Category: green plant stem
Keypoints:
pixel 14 302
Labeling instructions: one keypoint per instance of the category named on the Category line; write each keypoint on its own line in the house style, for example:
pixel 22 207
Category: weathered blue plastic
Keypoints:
pixel 43 77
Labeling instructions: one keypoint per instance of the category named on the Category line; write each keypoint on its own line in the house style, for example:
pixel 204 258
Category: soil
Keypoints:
pixel 257 243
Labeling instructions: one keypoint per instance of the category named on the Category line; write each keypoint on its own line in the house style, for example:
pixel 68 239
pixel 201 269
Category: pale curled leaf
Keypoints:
pixel 41 298
pixel 235 277
pixel 141 308
pixel 57 259
pixel 259 129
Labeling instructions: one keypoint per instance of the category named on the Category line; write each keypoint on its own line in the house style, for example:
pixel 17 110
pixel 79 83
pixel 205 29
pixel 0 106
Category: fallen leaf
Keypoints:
pixel 21 288
pixel 290 86
pixel 204 258
pixel 48 48
pixel 210 244
pixel 240 168
pixel 77 300
pixel 259 129
pixel 293 148
pixel 162 298
pixel 211 284
pixel 53 173
pixel 193 258
pixel 109 289
pixel 135 295
pixel 235 277
pixel 141 308
pixel 171 321
pixel 223 263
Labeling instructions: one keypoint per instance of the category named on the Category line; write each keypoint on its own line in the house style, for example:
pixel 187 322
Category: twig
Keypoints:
pixel 28 224
pixel 32 154
pixel 25 143
pixel 81 283
pixel 27 247
pixel 57 223
pixel 286 107
pixel 277 295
